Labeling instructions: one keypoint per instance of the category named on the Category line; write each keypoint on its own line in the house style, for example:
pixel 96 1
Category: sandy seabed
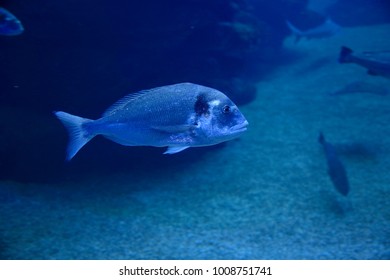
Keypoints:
pixel 265 195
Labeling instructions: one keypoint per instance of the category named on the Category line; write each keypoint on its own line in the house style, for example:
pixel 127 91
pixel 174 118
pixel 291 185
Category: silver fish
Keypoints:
pixel 327 29
pixel 9 24
pixel 376 63
pixel 176 116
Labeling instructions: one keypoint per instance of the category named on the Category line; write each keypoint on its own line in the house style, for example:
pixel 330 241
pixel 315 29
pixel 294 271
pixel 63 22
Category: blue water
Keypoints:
pixel 266 195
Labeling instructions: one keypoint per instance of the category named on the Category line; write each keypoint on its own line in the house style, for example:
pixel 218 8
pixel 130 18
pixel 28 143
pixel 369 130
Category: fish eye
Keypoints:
pixel 226 109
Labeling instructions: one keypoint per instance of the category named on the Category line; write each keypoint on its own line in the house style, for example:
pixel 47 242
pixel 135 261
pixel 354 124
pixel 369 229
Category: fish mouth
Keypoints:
pixel 238 128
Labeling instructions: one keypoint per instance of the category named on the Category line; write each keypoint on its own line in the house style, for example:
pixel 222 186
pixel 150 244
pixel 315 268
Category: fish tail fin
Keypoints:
pixel 78 136
pixel 345 53
pixel 295 31
pixel 321 138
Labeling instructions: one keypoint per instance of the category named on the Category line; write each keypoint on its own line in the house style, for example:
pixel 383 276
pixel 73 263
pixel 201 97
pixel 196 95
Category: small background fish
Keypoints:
pixel 376 62
pixel 326 29
pixel 9 24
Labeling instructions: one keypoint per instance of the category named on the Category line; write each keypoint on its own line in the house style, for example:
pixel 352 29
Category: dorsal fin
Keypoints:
pixel 135 96
pixel 124 101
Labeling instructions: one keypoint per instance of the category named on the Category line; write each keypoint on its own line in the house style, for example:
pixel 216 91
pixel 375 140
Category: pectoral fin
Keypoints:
pixel 175 149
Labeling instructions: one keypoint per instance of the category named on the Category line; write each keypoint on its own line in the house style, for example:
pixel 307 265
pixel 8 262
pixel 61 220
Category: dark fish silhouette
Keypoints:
pixel 336 169
pixel 376 63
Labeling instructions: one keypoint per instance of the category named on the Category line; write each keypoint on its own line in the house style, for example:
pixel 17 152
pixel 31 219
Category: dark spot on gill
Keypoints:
pixel 201 106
